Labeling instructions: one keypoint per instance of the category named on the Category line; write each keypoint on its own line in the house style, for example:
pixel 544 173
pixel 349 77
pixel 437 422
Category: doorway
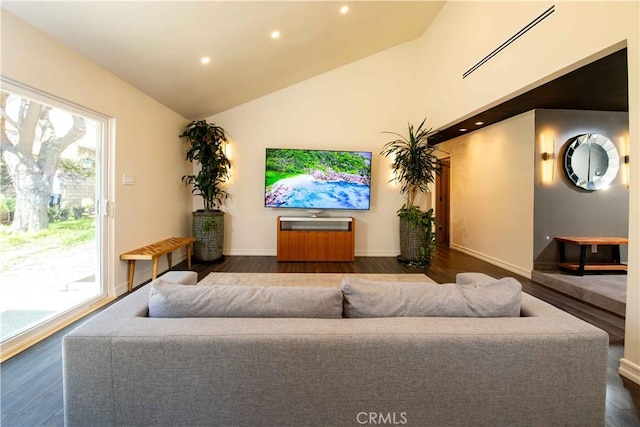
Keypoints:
pixel 442 203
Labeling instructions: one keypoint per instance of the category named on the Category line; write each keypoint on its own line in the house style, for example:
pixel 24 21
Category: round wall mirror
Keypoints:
pixel 591 161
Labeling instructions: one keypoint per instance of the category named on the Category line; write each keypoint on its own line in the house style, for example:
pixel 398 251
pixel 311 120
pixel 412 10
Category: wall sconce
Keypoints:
pixel 393 175
pixel 227 152
pixel 548 149
pixel 624 145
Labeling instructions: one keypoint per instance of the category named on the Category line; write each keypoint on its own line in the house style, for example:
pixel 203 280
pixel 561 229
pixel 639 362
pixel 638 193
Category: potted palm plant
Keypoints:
pixel 415 165
pixel 207 147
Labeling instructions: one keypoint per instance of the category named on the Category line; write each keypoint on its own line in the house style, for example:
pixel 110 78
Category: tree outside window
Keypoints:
pixel 34 136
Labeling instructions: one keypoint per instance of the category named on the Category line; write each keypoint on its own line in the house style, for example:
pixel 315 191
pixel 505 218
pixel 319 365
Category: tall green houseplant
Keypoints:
pixel 207 147
pixel 415 165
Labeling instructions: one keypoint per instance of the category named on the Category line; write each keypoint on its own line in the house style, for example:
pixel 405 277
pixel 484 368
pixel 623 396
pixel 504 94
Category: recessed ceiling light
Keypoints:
pixel 479 123
pixel 275 34
pixel 205 60
pixel 344 9
pixel 462 129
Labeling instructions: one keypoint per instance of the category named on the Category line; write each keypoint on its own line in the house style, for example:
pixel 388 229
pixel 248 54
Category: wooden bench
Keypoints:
pixel 154 251
pixel 581 266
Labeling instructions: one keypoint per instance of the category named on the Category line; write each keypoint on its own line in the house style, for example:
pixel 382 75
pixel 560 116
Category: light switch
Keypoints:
pixel 127 179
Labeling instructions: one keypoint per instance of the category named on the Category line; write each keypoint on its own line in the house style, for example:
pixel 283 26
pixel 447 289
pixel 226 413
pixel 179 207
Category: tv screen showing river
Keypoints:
pixel 317 179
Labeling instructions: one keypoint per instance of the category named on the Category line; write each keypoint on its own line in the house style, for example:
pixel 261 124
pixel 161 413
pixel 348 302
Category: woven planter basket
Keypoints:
pixel 208 229
pixel 411 239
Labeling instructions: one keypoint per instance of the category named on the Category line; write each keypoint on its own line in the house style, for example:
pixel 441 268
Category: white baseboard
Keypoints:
pixel 122 288
pixel 629 370
pixel 270 252
pixel 495 261
pixel 250 252
pixel 381 253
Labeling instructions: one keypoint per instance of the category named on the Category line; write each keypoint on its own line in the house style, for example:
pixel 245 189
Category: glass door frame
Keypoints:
pixel 104 217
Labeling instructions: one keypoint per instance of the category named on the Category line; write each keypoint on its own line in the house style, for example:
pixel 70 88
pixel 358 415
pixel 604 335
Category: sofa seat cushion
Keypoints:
pixel 366 298
pixel 173 300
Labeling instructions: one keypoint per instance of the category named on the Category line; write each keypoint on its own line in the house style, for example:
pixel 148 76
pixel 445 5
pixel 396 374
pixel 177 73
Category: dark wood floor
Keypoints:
pixel 31 382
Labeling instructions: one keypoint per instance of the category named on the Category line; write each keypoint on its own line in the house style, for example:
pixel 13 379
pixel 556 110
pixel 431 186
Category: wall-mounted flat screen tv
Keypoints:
pixel 317 179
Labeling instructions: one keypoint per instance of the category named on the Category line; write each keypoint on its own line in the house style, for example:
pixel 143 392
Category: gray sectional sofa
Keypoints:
pixel 543 368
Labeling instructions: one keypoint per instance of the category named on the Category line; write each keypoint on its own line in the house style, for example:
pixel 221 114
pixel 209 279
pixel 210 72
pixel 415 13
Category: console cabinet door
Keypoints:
pixel 291 245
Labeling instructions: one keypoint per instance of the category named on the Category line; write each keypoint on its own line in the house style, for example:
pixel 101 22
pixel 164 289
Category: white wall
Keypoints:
pixel 146 145
pixel 346 108
pixel 465 32
pixel 575 34
pixel 492 193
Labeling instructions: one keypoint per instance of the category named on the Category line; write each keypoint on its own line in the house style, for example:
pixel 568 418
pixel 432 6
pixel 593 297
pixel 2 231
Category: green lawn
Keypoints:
pixel 59 232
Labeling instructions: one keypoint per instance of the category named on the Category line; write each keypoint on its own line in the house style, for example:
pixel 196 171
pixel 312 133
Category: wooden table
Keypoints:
pixel 584 242
pixel 154 251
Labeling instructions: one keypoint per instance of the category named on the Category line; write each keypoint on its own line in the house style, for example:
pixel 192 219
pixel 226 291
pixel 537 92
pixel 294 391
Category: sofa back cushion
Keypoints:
pixel 367 298
pixel 172 300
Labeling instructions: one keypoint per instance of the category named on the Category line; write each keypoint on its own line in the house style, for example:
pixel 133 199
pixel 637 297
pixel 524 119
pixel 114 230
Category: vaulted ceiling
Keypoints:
pixel 156 46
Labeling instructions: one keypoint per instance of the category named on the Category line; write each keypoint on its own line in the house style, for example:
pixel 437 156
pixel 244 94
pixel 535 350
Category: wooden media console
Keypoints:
pixel 316 239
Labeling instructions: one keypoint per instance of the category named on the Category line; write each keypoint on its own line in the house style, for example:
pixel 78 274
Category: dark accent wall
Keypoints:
pixel 560 208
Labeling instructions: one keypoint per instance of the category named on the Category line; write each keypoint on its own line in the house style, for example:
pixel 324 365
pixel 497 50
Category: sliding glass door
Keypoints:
pixel 52 227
